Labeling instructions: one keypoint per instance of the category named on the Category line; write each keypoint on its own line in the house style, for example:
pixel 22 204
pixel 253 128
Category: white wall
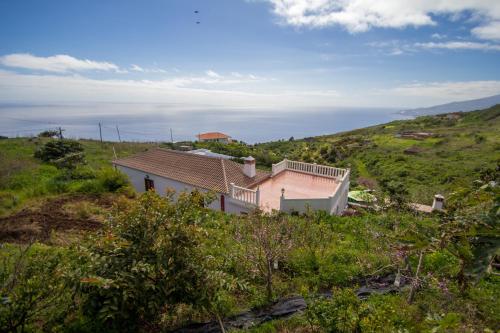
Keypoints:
pixel 237 206
pixel 334 205
pixel 137 177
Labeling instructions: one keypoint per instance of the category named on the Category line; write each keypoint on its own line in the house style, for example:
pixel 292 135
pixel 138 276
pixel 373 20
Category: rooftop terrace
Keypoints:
pixel 297 185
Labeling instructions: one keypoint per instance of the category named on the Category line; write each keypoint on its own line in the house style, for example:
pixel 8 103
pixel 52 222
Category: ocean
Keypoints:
pixel 152 122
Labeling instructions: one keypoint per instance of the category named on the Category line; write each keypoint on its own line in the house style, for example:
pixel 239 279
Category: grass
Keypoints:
pixel 460 149
pixel 25 179
pixel 454 156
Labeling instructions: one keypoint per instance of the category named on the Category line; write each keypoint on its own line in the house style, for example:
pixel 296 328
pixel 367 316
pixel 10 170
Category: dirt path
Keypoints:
pixel 38 223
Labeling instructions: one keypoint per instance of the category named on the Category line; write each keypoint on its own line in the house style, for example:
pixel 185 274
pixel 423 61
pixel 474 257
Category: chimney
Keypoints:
pixel 438 202
pixel 249 166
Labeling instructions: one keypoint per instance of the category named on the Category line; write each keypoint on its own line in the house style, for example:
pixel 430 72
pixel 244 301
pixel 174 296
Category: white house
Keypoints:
pixel 214 137
pixel 290 186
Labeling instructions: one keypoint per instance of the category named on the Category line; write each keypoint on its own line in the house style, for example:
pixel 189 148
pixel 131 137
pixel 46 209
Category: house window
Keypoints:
pixel 149 184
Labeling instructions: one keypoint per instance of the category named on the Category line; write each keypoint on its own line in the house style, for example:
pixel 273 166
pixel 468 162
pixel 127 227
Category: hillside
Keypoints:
pixel 24 178
pixel 452 151
pixel 81 252
pixel 463 106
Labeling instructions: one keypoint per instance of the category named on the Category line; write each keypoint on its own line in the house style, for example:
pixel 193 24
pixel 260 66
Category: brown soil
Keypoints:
pixel 37 224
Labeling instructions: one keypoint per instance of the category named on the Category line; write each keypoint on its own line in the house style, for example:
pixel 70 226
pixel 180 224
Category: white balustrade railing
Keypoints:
pixel 333 204
pixel 278 167
pixel 310 168
pixel 245 194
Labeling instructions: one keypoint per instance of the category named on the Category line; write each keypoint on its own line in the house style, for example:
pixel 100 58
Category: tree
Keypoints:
pixel 146 258
pixel 266 239
pixel 48 134
pixel 59 149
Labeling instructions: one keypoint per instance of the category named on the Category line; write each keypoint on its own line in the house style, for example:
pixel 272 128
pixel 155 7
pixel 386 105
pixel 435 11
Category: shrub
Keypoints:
pixel 340 313
pixel 57 149
pixel 34 297
pixel 48 134
pixel 91 186
pixel 70 161
pixel 57 185
pixel 82 172
pixel 112 180
pixel 146 260
pixel 345 312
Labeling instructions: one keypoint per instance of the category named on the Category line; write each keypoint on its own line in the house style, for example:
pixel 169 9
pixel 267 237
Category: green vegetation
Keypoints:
pixel 24 177
pixel 459 148
pixel 149 263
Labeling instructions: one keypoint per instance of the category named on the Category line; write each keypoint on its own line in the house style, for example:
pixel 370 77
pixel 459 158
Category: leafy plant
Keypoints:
pixel 32 289
pixel 58 150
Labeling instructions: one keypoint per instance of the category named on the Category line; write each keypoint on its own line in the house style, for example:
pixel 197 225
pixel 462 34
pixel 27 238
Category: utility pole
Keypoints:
pixel 118 131
pixel 100 132
pixel 171 136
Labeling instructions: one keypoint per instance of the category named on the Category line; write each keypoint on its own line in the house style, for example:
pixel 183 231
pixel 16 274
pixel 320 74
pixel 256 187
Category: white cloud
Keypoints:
pixel 442 92
pixel 196 92
pixel 362 15
pixel 137 68
pixel 438 36
pixel 396 47
pixel 212 74
pixel 60 63
pixel 459 45
pixel 190 91
pixel 490 30
pixel 396 51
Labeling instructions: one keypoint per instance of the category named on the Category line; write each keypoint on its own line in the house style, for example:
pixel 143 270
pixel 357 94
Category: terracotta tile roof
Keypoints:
pixel 212 136
pixel 209 173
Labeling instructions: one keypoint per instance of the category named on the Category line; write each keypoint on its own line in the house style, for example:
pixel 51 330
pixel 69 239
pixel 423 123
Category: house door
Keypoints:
pixel 149 184
pixel 222 203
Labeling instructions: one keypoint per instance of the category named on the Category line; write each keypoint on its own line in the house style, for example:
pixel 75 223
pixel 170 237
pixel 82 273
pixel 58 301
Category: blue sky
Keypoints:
pixel 266 54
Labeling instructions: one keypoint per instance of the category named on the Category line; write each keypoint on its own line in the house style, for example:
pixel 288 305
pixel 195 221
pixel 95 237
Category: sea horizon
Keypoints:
pixel 143 122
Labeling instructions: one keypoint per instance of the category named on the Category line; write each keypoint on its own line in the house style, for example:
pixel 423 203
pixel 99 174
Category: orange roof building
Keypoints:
pixel 214 137
pixel 290 186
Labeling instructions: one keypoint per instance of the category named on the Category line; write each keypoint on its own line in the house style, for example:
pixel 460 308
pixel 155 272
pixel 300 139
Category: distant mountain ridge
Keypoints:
pixel 470 105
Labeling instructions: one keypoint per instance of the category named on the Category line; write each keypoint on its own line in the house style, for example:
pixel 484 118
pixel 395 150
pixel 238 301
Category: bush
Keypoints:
pixel 70 161
pixel 146 260
pixel 82 172
pixel 90 186
pixel 112 180
pixel 57 185
pixel 340 313
pixel 34 297
pixel 48 134
pixel 57 149
pixel 345 312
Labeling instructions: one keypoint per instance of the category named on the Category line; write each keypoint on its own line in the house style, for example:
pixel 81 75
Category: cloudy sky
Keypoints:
pixel 253 53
